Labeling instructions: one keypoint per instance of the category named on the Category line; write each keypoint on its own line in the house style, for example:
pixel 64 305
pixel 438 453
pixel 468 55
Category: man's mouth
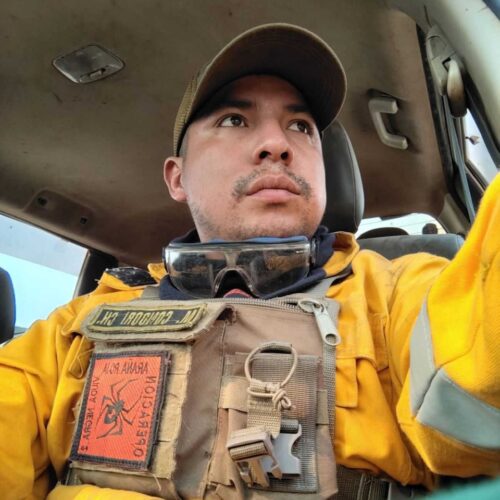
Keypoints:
pixel 272 186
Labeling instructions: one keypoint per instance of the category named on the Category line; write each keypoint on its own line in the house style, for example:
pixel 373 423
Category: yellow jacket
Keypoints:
pixel 418 384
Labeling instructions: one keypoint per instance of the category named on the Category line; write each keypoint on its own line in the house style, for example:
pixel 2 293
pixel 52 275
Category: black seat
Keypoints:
pixel 345 197
pixel 444 245
pixel 383 231
pixel 7 307
pixel 345 203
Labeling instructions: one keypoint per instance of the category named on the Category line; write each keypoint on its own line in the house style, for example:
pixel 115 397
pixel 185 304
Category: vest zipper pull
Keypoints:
pixel 326 326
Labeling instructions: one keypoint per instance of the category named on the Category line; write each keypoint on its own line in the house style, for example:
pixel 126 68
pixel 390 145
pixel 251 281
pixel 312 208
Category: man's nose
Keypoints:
pixel 273 145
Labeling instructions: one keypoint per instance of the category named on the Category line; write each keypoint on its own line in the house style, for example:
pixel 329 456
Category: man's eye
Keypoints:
pixel 232 121
pixel 301 126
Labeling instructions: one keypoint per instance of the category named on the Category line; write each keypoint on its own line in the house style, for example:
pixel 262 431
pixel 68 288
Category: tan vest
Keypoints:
pixel 219 398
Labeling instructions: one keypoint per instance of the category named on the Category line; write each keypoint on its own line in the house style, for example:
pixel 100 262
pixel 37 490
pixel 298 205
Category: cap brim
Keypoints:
pixel 290 52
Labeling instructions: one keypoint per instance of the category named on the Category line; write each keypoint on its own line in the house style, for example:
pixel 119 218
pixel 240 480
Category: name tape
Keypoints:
pixel 119 318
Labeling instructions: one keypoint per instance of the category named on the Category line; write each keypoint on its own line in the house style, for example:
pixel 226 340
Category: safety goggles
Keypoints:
pixel 265 264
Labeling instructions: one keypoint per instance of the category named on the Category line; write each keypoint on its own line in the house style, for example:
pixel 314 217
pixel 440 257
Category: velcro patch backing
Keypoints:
pixel 145 319
pixel 118 420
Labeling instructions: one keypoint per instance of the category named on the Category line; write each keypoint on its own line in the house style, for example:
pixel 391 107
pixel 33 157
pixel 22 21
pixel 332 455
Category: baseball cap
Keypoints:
pixel 290 52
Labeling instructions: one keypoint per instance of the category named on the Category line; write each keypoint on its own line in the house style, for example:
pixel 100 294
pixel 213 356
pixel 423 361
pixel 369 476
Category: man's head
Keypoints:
pixel 430 228
pixel 247 137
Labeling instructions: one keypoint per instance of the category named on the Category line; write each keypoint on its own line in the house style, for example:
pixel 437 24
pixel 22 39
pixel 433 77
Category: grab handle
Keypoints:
pixel 377 106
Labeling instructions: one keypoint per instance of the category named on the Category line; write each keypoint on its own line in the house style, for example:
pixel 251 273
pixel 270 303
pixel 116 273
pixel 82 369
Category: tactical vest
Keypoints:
pixel 218 398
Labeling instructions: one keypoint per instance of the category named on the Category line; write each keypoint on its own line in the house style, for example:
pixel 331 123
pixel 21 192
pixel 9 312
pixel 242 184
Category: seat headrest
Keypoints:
pixel 7 307
pixel 380 232
pixel 391 247
pixel 345 202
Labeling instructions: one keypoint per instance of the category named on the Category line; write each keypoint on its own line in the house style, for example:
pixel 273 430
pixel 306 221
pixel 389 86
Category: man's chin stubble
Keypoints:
pixel 238 229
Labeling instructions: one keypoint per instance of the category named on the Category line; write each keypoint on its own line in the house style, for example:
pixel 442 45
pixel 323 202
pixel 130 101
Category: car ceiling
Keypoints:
pixel 85 161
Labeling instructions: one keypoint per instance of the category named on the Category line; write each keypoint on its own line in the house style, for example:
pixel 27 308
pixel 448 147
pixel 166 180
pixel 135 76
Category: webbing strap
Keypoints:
pixel 248 450
pixel 150 293
pixel 302 391
pixel 263 412
pixel 329 375
pixel 356 485
pixel 267 397
pixel 318 290
pixel 456 152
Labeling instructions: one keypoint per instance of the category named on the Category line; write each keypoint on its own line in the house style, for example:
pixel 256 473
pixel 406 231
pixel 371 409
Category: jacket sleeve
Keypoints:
pixel 88 492
pixel 29 371
pixel 37 395
pixel 449 404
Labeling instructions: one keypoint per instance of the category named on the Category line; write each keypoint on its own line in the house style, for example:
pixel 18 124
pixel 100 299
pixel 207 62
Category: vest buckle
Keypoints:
pixel 247 447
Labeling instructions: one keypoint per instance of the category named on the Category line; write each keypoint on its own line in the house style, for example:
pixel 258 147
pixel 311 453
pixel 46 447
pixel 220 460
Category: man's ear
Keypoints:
pixel 172 174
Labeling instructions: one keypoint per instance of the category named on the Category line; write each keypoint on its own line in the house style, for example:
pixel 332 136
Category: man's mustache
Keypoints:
pixel 242 185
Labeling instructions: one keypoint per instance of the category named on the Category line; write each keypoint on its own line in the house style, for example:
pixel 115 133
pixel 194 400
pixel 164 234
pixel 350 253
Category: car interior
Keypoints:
pixel 89 92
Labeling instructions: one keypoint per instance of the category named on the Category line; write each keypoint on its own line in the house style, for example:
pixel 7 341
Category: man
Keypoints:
pixel 417 390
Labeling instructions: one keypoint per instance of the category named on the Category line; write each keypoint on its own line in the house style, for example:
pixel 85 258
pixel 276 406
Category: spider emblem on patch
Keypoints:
pixel 114 411
pixel 118 420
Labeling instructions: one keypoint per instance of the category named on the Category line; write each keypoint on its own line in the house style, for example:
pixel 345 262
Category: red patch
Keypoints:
pixel 119 417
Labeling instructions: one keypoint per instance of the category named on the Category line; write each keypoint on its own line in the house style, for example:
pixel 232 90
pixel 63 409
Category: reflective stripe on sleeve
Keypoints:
pixel 438 402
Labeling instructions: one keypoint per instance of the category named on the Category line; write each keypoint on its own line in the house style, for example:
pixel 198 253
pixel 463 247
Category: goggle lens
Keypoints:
pixel 199 270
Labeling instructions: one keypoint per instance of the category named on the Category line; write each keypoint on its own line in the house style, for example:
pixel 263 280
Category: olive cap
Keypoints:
pixel 290 52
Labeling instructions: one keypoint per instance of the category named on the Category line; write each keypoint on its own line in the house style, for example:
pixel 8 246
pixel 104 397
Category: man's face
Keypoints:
pixel 253 164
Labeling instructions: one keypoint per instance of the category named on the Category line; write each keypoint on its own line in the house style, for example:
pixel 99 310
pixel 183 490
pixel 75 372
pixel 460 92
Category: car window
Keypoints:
pixel 411 223
pixel 475 150
pixel 44 269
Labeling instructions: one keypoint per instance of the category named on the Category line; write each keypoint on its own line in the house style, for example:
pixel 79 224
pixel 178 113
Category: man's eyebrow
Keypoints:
pixel 245 104
pixel 231 103
pixel 221 101
pixel 298 108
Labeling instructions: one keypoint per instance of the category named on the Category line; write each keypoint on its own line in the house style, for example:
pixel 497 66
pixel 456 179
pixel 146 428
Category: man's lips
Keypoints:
pixel 273 185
